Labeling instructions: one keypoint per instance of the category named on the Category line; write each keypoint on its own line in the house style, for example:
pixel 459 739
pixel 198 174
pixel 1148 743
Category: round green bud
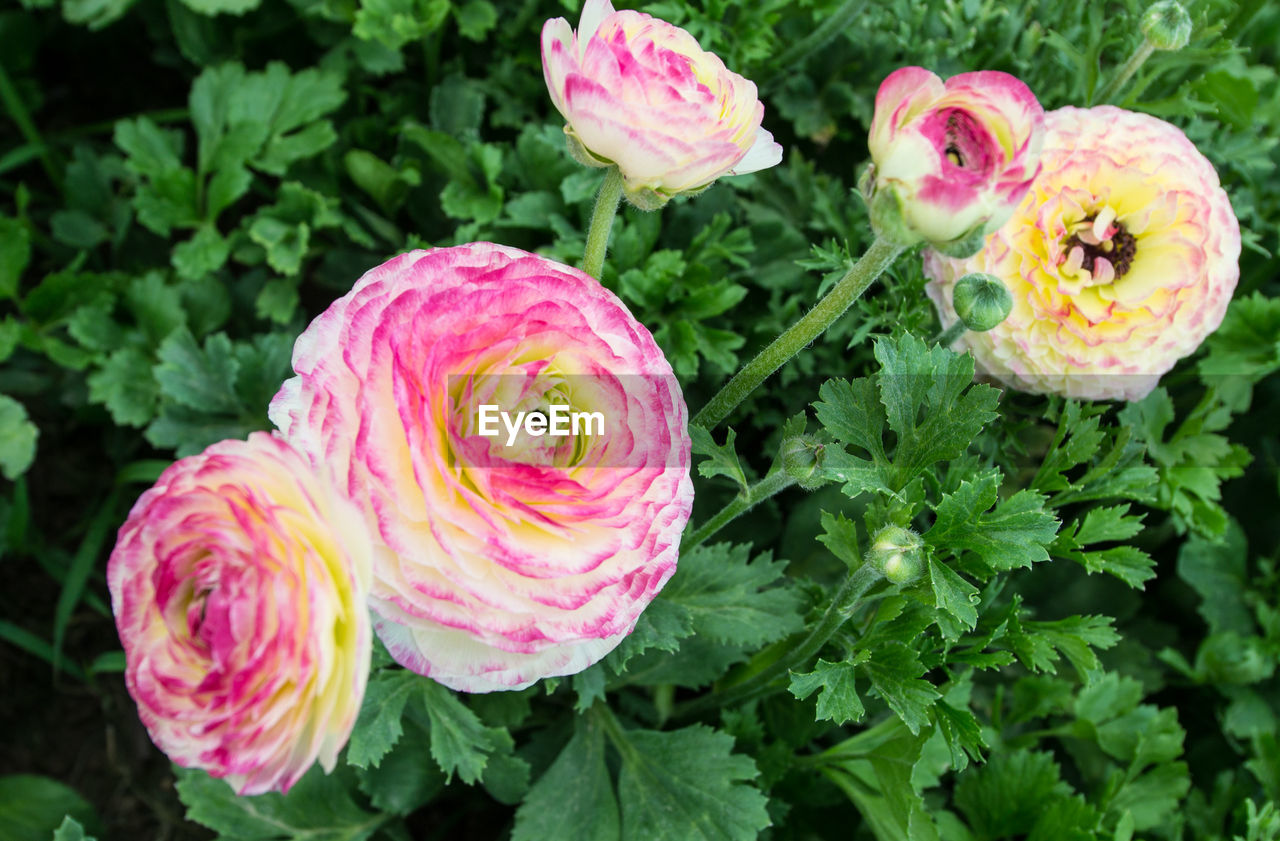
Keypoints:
pixel 981 301
pixel 802 457
pixel 1166 25
pixel 898 553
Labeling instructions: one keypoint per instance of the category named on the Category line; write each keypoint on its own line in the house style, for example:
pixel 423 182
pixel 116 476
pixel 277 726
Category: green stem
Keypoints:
pixel 842 606
pixel 948 337
pixel 878 258
pixel 602 222
pixel 1125 73
pixel 771 485
pixel 839 21
pixel 18 111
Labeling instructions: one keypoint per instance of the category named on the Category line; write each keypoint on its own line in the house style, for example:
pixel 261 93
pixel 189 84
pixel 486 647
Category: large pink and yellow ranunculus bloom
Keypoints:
pixel 950 161
pixel 640 93
pixel 1121 259
pixel 239 584
pixel 502 560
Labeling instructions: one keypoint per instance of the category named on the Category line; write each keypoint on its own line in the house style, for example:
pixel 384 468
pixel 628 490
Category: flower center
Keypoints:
pixel 1101 246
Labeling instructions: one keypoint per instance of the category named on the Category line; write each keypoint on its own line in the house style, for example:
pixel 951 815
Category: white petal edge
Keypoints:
pixel 593 14
pixel 763 154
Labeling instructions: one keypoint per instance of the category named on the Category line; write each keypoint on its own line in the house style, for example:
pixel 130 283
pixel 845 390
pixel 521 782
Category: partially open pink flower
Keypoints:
pixel 950 161
pixel 239 586
pixel 640 93
pixel 1121 259
pixel 506 556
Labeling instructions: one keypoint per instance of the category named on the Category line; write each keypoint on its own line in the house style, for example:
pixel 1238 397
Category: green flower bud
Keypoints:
pixel 802 457
pixel 981 301
pixel 898 553
pixel 884 206
pixel 1166 25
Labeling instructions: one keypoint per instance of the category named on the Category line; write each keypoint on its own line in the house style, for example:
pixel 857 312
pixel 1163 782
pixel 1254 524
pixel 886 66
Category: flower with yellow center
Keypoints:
pixel 1121 259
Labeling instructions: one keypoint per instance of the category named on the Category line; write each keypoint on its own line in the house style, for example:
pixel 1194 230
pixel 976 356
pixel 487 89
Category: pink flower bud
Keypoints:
pixel 950 161
pixel 640 93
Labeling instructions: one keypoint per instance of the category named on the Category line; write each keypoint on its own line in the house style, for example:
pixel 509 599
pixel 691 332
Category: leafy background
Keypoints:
pixel 1090 653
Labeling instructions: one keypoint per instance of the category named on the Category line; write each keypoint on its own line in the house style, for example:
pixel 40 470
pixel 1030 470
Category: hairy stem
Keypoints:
pixel 878 258
pixel 842 606
pixel 1122 77
pixel 602 222
pixel 774 483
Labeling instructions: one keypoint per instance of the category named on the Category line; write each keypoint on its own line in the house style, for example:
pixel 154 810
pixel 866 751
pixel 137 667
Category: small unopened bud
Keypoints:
pixel 884 206
pixel 802 457
pixel 1166 25
pixel 898 553
pixel 981 301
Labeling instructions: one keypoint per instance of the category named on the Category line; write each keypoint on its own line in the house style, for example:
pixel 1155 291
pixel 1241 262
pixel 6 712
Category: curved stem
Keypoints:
pixel 770 485
pixel 948 337
pixel 798 335
pixel 839 21
pixel 1125 73
pixel 602 222
pixel 845 601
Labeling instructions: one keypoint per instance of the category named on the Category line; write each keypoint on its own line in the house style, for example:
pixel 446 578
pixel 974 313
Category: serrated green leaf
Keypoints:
pixel 915 376
pixel 835 683
pixel 1014 534
pixel 32 807
pixel 732 599
pixel 897 676
pixel 126 386
pixel 460 742
pixel 405 777
pixel 18 436
pixel 722 459
pixel 953 594
pixel 71 830
pixel 319 808
pixel 203 254
pixel 1005 797
pixel 962 733
pixel 688 785
pixel 574 798
pixel 203 379
pixel 1216 571
pixel 378 726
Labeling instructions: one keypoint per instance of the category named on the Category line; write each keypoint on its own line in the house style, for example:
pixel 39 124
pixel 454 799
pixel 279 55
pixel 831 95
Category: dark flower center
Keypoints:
pixel 1119 249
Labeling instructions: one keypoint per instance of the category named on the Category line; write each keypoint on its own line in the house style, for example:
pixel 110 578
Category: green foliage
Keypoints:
pixel 1092 607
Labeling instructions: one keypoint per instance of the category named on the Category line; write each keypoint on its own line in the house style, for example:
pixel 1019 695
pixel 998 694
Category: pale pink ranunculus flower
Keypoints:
pixel 498 565
pixel 950 161
pixel 1121 259
pixel 640 93
pixel 239 584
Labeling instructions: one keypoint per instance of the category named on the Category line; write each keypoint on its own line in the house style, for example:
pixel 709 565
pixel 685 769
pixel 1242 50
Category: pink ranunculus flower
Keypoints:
pixel 640 93
pixel 502 560
pixel 1121 259
pixel 950 161
pixel 239 584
